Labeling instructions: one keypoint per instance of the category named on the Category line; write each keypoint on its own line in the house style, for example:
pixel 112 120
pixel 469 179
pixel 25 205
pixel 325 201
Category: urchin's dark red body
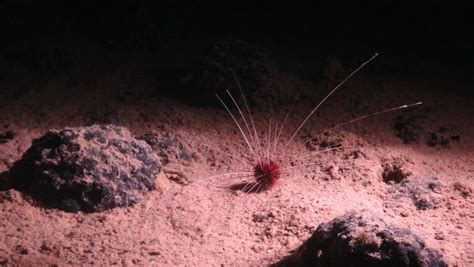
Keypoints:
pixel 267 174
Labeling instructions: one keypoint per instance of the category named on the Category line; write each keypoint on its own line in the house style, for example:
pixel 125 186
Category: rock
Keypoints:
pixel 169 147
pixel 323 141
pixel 421 193
pixel 88 169
pixel 333 171
pixel 212 73
pixel 408 127
pixel 435 186
pixel 362 239
pixel 10 196
pixel 464 190
pixel 394 171
pixel 6 136
pixel 443 136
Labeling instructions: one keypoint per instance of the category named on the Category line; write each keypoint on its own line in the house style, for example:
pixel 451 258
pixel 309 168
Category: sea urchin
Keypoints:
pixel 266 174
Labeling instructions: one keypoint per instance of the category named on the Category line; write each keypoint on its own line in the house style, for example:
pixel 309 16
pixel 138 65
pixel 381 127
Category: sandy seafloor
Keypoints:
pixel 207 223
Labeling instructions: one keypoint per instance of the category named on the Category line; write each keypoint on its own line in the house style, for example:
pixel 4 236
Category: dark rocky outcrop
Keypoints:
pixel 408 127
pixel 213 73
pixel 411 128
pixel 362 239
pixel 443 136
pixel 88 169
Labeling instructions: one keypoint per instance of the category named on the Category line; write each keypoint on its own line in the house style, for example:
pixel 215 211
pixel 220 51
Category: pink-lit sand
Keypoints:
pixel 209 224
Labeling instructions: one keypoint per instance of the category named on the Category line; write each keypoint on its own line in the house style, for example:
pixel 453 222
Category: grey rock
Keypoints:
pixel 423 194
pixel 88 169
pixel 362 239
pixel 168 147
